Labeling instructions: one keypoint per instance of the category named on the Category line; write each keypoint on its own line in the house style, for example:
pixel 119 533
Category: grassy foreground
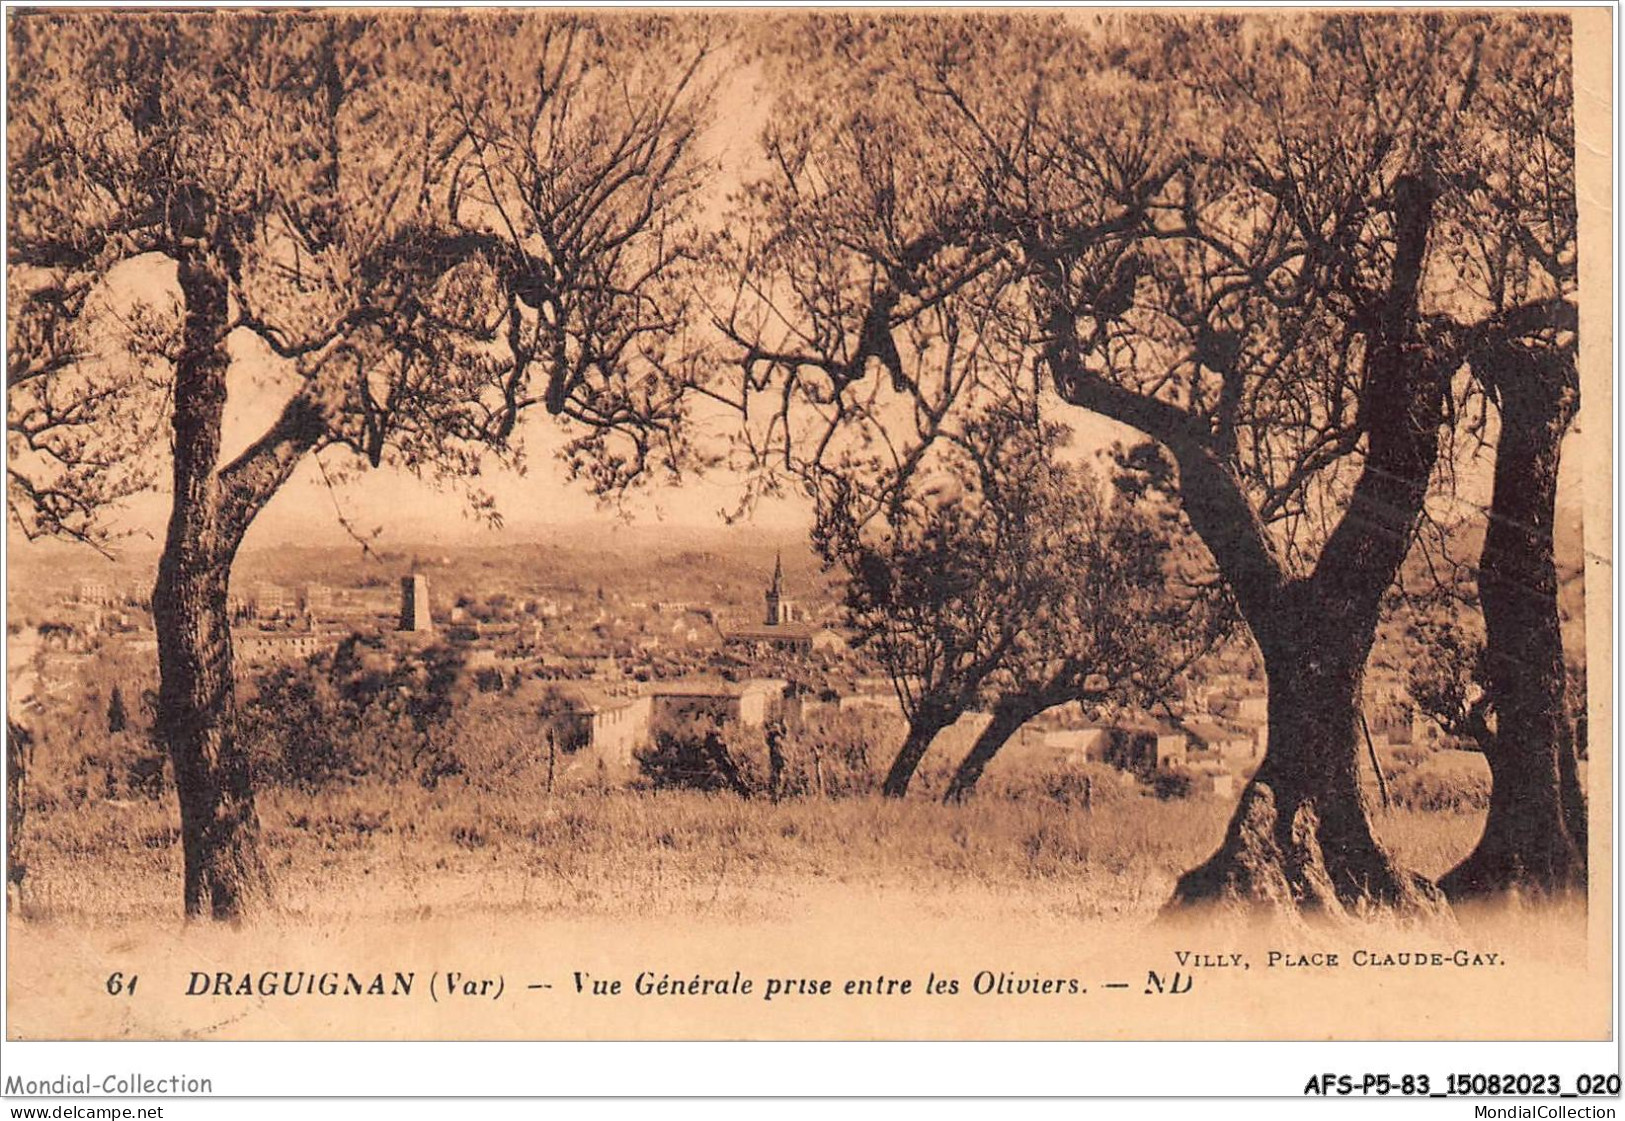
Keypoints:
pixel 379 850
pixel 625 884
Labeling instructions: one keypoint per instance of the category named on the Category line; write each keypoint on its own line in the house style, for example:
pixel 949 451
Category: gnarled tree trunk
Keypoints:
pixel 19 757
pixel 197 722
pixel 1535 835
pixel 1302 832
pixel 1301 836
pixel 197 696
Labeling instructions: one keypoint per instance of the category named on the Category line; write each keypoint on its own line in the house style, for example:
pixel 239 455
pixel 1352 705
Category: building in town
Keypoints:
pixel 785 625
pixel 415 604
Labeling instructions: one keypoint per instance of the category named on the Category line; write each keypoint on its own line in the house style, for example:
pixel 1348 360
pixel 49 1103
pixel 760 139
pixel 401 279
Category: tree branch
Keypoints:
pixel 248 482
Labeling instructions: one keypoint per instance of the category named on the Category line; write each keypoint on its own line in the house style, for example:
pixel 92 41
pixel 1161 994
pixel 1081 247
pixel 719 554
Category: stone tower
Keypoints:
pixel 415 603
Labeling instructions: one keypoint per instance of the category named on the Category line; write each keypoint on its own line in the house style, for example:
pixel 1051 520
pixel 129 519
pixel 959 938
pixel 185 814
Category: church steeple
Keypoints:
pixel 775 592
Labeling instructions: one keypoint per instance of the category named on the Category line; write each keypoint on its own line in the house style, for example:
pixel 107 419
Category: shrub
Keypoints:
pixel 1074 785
pixel 502 749
pixel 1090 785
pixel 364 710
pixel 840 754
pixel 1171 785
pixel 1436 790
pixel 695 755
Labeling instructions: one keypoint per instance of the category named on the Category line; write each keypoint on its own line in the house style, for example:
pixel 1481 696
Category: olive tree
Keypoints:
pixel 1227 234
pixel 326 190
pixel 1510 194
pixel 1128 603
pixel 965 561
pixel 1287 320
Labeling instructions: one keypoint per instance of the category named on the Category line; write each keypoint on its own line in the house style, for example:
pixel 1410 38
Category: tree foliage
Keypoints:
pixel 1004 576
pixel 363 711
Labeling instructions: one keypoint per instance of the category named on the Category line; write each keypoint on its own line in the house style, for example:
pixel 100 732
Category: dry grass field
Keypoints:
pixel 373 877
pixel 391 850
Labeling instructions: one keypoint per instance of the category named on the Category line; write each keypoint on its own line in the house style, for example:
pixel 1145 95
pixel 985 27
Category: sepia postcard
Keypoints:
pixel 1054 524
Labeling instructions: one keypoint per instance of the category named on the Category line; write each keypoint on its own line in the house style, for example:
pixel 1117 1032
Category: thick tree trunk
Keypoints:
pixel 922 730
pixel 1008 717
pixel 1301 837
pixel 197 721
pixel 197 702
pixel 1302 833
pixel 1534 837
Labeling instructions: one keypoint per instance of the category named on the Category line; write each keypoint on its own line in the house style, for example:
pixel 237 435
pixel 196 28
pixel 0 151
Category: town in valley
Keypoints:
pixel 597 649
